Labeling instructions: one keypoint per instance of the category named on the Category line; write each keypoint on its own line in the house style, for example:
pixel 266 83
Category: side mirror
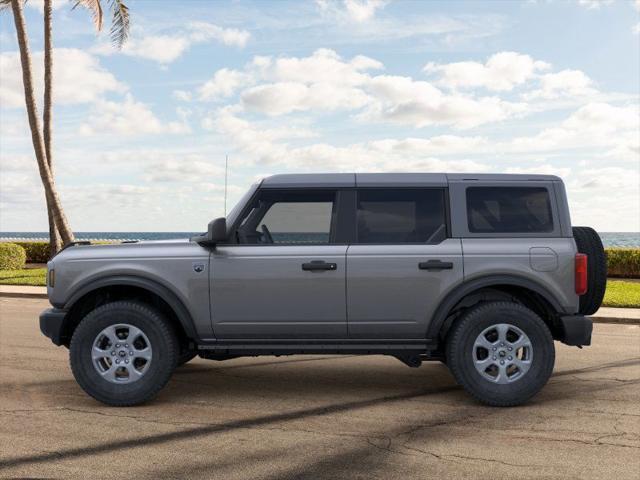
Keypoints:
pixel 216 233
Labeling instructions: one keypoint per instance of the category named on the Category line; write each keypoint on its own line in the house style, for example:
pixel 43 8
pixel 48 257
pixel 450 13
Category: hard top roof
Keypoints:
pixel 291 180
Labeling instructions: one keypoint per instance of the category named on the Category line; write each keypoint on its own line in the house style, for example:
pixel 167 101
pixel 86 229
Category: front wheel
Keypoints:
pixel 123 353
pixel 502 353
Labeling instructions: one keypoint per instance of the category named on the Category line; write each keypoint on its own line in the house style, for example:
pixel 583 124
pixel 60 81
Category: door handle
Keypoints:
pixel 435 265
pixel 319 265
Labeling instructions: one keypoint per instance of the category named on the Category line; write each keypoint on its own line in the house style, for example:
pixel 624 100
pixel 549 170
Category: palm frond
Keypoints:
pixel 4 4
pixel 119 24
pixel 95 8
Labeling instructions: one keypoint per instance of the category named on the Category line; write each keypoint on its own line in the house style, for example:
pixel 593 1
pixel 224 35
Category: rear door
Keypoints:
pixel 285 275
pixel 402 262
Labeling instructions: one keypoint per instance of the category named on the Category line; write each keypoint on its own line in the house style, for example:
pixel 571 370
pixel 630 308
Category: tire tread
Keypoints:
pixel 164 329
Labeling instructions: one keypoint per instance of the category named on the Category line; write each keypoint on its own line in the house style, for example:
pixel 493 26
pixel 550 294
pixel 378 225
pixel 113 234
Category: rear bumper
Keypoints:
pixel 576 330
pixel 52 323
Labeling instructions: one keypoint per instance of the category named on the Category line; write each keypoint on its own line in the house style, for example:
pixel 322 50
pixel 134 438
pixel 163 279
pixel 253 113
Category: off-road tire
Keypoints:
pixel 588 242
pixel 164 349
pixel 459 353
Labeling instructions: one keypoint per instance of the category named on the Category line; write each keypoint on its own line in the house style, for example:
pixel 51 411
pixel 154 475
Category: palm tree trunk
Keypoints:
pixel 48 183
pixel 54 237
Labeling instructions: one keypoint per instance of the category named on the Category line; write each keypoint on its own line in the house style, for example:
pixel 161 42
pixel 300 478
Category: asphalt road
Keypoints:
pixel 317 417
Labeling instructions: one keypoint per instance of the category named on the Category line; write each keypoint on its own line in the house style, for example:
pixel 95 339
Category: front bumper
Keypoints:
pixel 576 330
pixel 52 324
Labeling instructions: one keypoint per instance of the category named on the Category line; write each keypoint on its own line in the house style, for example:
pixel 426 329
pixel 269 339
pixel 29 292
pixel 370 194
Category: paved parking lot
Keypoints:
pixel 317 417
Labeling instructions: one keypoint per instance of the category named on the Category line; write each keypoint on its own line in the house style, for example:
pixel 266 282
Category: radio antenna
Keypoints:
pixel 226 169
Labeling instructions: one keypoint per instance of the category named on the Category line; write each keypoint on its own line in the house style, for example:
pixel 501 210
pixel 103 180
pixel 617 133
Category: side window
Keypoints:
pixel 288 217
pixel 509 210
pixel 401 216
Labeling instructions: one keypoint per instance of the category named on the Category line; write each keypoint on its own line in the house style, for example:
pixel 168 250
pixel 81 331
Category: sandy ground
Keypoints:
pixel 317 417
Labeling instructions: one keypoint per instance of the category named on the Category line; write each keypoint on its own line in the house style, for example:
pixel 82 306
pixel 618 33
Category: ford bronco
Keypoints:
pixel 481 272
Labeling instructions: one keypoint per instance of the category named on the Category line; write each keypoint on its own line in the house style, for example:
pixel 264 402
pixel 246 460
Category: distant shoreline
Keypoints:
pixel 609 239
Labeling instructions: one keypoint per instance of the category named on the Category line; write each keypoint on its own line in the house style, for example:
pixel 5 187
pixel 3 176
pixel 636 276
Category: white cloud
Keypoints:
pixel 225 82
pixel 358 11
pixel 78 78
pixel 405 101
pixel 182 95
pixel 502 71
pixel 323 66
pixel 636 4
pixel 128 118
pixel 203 32
pixel 564 83
pixel 605 197
pixel 190 168
pixel 159 48
pixel 636 29
pixel 39 4
pixel 285 97
pixel 594 4
pixel 593 126
pixel 269 146
pixel 324 81
pixel 166 48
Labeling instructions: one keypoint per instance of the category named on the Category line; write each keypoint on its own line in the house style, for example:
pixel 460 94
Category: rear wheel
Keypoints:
pixel 588 242
pixel 123 353
pixel 502 353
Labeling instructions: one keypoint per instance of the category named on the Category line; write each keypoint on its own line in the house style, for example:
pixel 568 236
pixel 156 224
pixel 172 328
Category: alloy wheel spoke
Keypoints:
pixel 144 353
pixel 110 333
pixel 523 365
pixel 98 353
pixel 502 377
pixel 110 374
pixel 133 373
pixel 482 341
pixel 134 332
pixel 502 332
pixel 521 342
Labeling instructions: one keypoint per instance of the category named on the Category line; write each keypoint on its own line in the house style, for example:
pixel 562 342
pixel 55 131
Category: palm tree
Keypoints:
pixel 119 20
pixel 55 242
pixel 53 200
pixel 59 230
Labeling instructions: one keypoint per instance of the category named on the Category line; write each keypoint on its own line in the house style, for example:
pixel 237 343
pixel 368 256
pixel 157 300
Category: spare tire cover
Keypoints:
pixel 588 242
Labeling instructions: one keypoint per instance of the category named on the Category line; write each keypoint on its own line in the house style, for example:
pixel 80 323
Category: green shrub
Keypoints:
pixel 623 262
pixel 12 256
pixel 37 252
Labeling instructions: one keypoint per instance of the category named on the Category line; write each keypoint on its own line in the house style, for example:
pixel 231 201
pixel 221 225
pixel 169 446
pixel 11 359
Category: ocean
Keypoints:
pixel 609 239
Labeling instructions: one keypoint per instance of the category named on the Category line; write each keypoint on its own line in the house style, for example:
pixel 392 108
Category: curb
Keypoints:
pixel 23 295
pixel 617 320
pixel 596 319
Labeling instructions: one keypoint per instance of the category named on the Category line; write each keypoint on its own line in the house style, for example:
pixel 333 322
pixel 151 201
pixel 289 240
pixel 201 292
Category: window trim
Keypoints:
pixel 447 214
pixel 458 209
pixel 539 233
pixel 232 239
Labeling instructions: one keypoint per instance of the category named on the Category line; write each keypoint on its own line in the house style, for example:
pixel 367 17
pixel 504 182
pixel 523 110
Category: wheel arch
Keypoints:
pixel 117 287
pixel 492 287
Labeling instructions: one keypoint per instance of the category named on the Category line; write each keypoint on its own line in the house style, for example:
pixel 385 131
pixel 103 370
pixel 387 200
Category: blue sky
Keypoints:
pixel 140 137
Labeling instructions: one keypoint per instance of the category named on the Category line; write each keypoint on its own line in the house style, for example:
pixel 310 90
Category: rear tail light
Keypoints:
pixel 581 273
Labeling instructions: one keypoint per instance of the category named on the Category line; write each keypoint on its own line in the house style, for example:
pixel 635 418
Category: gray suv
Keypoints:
pixel 481 272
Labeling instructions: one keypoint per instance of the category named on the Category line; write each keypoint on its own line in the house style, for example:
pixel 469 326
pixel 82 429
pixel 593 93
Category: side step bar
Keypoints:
pixel 400 348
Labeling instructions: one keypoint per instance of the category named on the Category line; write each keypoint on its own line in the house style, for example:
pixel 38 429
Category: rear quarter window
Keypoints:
pixel 509 210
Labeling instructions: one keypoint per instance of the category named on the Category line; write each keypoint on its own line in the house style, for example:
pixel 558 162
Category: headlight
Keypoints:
pixel 52 277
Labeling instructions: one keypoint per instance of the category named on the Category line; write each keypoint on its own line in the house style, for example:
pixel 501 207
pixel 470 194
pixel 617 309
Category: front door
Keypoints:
pixel 284 277
pixel 401 264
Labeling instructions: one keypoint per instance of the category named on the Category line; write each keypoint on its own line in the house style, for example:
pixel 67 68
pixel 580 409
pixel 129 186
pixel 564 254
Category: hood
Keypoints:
pixel 134 249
